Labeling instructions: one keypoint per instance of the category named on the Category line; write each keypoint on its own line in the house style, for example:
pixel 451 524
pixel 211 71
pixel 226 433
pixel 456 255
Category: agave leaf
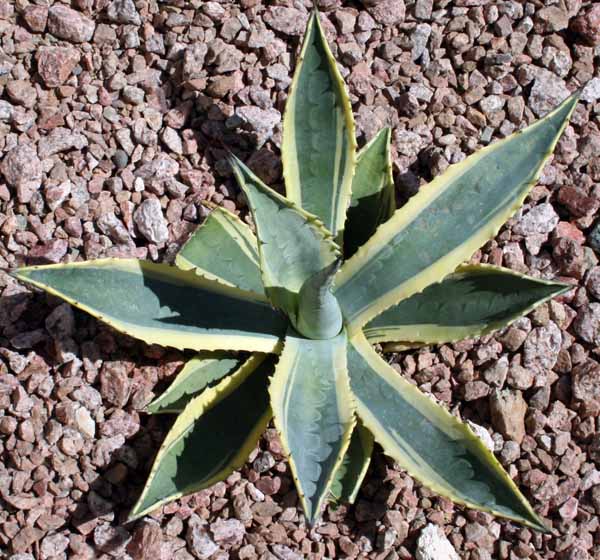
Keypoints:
pixel 212 437
pixel 313 412
pixel 426 440
pixel 319 313
pixel 293 245
pixel 202 371
pixel 445 223
pixel 351 472
pixel 318 144
pixel 373 197
pixel 161 304
pixel 402 346
pixel 473 301
pixel 223 248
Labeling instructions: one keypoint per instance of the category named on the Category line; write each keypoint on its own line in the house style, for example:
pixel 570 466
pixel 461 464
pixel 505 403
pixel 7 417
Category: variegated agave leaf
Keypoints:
pixel 293 245
pixel 473 301
pixel 447 221
pixel 353 468
pixel 318 148
pixel 224 234
pixel 403 283
pixel 225 422
pixel 373 197
pixel 161 304
pixel 314 413
pixel 432 445
pixel 202 371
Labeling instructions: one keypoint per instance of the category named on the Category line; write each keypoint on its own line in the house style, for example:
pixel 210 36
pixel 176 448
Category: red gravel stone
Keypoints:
pixel 22 169
pixel 36 17
pixel 71 25
pixel 567 229
pixel 577 202
pixel 147 542
pixel 55 64
pixel 587 25
pixel 51 252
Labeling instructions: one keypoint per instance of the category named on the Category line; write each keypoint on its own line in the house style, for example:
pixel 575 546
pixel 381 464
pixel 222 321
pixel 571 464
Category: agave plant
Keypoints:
pixel 285 321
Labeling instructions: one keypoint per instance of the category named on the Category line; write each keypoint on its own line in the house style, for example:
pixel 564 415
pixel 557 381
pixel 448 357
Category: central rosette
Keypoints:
pixel 319 315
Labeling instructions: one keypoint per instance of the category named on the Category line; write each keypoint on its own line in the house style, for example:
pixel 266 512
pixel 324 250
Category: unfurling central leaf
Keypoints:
pixel 319 314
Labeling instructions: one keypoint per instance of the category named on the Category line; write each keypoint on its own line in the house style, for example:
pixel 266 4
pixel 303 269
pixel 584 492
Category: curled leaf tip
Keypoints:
pixel 319 313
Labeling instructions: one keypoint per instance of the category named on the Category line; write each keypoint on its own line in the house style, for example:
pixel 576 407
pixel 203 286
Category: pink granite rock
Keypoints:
pixel 22 169
pixel 55 64
pixel 66 23
pixel 36 17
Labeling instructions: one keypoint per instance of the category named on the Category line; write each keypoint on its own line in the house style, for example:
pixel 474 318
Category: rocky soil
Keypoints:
pixel 114 115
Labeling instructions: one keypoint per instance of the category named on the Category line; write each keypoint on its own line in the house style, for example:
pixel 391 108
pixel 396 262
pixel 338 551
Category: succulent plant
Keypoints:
pixel 285 321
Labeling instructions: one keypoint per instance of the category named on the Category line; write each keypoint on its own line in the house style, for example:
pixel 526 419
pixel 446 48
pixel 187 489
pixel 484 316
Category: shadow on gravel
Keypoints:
pixel 83 387
pixel 112 376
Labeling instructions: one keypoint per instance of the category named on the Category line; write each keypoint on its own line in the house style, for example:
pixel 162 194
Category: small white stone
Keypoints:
pixel 283 552
pixel 6 111
pixel 433 545
pixel 408 143
pixel 153 118
pixel 492 103
pixel 421 92
pixel 198 540
pixel 591 91
pixel 172 140
pixel 85 423
pixel 133 95
pixel 53 546
pixel 547 92
pixel 123 11
pixel 56 194
pixel 228 531
pixel 540 219
pixel 123 136
pixel 111 226
pixel 254 493
pixel 213 10
pixel 260 121
pixel 150 221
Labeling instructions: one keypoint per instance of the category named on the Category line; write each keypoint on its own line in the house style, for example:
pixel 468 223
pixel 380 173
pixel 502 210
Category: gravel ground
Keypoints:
pixel 113 114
